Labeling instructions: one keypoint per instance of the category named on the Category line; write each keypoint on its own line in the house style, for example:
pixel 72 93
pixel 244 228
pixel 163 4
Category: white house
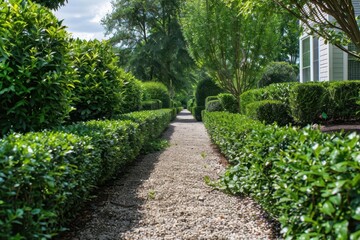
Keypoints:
pixel 326 62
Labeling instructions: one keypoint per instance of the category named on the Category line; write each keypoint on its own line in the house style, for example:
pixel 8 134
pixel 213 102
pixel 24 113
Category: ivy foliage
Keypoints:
pixel 35 79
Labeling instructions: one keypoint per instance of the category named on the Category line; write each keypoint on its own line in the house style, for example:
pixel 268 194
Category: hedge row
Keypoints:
pixel 308 102
pixel 45 176
pixel 307 180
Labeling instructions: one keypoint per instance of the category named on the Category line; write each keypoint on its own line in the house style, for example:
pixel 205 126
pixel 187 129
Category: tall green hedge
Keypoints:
pixel 99 85
pixel 277 72
pixel 35 82
pixel 132 93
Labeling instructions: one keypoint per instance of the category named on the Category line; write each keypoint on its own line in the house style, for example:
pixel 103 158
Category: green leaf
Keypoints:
pixel 341 230
pixel 328 208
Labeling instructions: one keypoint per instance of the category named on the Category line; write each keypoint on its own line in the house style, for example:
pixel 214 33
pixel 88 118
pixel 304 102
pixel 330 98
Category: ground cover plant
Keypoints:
pixel 306 179
pixel 46 176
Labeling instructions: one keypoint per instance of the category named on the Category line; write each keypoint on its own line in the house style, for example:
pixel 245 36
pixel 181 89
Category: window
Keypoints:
pixel 306 72
pixel 353 66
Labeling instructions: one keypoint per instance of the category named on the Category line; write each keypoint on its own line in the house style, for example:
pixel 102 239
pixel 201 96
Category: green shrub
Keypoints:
pixel 304 178
pixel 117 141
pixel 277 72
pixel 152 123
pixel 269 111
pixel 210 98
pixel 280 92
pixel 214 106
pixel 204 89
pixel 250 96
pixel 157 90
pixel 190 104
pixel 131 93
pixel 307 102
pixel 196 111
pixel 44 177
pixel 228 102
pixel 151 104
pixel 97 94
pixel 35 82
pixel 344 95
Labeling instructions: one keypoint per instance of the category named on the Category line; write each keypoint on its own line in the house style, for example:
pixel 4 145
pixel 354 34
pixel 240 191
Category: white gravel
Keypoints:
pixel 163 196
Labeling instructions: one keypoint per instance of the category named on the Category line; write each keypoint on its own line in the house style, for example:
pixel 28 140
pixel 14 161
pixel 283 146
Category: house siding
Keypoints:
pixel 323 61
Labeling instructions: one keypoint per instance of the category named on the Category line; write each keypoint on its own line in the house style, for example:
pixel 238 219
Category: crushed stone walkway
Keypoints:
pixel 164 196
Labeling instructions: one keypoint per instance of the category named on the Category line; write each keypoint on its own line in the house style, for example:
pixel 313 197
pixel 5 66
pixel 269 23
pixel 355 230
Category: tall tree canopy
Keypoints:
pixel 150 41
pixel 340 29
pixel 52 4
pixel 232 46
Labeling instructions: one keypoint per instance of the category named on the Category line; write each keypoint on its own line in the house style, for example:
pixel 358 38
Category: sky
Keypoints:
pixel 82 17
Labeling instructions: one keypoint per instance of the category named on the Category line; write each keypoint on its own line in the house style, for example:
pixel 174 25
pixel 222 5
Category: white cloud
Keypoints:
pixel 83 17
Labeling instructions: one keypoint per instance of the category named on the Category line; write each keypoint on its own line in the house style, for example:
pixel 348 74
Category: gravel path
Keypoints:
pixel 163 196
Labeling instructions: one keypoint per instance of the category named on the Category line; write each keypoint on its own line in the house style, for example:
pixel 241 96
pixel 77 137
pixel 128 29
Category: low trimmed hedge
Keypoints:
pixel 307 102
pixel 306 179
pixel 269 111
pixel 153 104
pixel 46 176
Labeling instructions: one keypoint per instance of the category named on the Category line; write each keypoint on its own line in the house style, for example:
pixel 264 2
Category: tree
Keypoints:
pixel 149 37
pixel 341 29
pixel 232 47
pixel 51 4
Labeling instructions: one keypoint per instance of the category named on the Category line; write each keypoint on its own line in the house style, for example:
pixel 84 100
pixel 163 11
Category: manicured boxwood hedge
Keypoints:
pixel 45 176
pixel 269 111
pixel 306 179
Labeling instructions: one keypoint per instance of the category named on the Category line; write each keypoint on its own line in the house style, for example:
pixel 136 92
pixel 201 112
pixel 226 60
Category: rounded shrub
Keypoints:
pixel 204 89
pixel 228 102
pixel 214 106
pixel 97 92
pixel 157 90
pixel 250 96
pixel 34 68
pixel 277 72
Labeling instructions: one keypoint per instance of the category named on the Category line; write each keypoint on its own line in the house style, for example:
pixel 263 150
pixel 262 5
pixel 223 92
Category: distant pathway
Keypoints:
pixel 163 196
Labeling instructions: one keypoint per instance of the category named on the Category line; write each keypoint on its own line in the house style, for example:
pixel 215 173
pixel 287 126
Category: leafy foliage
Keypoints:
pixel 98 92
pixel 231 46
pixel 204 89
pixel 214 106
pixel 306 179
pixel 132 93
pixel 343 98
pixel 150 40
pixel 157 90
pixel 277 72
pixel 46 176
pixel 307 102
pixel 52 4
pixel 151 104
pixel 35 82
pixel 228 102
pixel 43 176
pixel 269 111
